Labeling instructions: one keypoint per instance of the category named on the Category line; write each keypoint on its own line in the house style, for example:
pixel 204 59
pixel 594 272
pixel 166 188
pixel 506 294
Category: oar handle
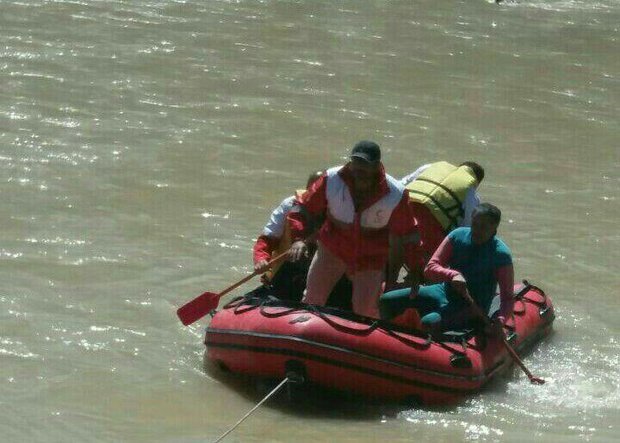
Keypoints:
pixel 518 361
pixel 511 351
pixel 272 262
pixel 476 308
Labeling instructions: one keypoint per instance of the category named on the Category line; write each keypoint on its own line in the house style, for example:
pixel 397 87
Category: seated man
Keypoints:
pixel 469 259
pixel 286 279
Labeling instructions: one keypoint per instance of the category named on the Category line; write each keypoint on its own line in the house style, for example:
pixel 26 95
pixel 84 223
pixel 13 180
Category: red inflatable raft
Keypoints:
pixel 268 338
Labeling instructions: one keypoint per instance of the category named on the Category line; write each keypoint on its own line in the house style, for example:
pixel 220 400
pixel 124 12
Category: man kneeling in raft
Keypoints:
pixel 468 259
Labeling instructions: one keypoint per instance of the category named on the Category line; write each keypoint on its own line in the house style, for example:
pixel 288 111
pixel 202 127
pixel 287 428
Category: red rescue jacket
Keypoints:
pixel 360 247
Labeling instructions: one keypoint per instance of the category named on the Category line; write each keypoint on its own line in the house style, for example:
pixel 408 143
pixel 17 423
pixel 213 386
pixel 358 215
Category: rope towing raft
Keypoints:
pixel 251 411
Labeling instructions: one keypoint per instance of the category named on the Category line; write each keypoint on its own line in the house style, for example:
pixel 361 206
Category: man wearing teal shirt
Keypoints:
pixel 469 259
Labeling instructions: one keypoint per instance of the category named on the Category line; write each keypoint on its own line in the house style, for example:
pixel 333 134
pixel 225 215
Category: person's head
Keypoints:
pixel 484 222
pixel 365 164
pixel 314 177
pixel 476 169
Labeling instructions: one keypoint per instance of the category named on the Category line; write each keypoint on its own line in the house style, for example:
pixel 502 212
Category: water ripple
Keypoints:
pixel 36 75
pixel 15 348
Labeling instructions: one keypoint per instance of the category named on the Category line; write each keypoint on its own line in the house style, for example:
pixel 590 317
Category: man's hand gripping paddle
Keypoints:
pixel 513 354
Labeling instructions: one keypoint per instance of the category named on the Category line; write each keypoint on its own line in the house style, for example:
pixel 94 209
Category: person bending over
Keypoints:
pixel 442 198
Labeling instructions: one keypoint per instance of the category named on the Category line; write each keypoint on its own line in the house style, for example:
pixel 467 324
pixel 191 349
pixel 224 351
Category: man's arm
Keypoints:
pixel 505 278
pixel 471 202
pixel 415 174
pixel 438 268
pixel 263 249
pixel 395 261
pixel 404 240
pixel 313 203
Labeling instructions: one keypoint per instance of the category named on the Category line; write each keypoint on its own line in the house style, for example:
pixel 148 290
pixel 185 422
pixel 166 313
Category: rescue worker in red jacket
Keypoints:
pixel 363 207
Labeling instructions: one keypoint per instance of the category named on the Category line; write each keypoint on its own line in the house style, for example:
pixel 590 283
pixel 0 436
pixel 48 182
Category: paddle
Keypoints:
pixel 513 354
pixel 206 302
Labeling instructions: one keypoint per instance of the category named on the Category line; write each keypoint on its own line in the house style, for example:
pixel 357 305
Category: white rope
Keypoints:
pixel 276 389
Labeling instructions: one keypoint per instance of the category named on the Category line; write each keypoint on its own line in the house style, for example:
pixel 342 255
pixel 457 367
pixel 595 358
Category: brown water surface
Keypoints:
pixel 143 145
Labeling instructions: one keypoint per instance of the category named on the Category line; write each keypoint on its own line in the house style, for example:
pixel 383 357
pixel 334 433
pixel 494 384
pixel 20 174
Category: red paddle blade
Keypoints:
pixel 198 308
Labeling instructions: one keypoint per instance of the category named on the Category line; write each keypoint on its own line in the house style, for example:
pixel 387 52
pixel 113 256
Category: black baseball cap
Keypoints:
pixel 367 151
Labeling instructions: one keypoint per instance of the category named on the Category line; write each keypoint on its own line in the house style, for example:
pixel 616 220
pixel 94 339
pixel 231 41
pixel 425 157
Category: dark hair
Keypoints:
pixel 488 210
pixel 478 170
pixel 314 177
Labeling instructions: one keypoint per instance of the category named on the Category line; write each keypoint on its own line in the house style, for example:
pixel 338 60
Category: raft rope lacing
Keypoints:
pixel 238 305
pixel 273 392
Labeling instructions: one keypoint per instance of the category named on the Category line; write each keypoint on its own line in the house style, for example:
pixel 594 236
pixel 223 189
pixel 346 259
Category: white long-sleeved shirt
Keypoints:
pixel 277 220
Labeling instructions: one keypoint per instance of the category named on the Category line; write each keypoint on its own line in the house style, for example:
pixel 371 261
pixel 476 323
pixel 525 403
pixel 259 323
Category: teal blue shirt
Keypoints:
pixel 478 263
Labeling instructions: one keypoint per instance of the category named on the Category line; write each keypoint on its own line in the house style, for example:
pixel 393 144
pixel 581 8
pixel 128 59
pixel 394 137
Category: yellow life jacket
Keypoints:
pixel 284 244
pixel 442 187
